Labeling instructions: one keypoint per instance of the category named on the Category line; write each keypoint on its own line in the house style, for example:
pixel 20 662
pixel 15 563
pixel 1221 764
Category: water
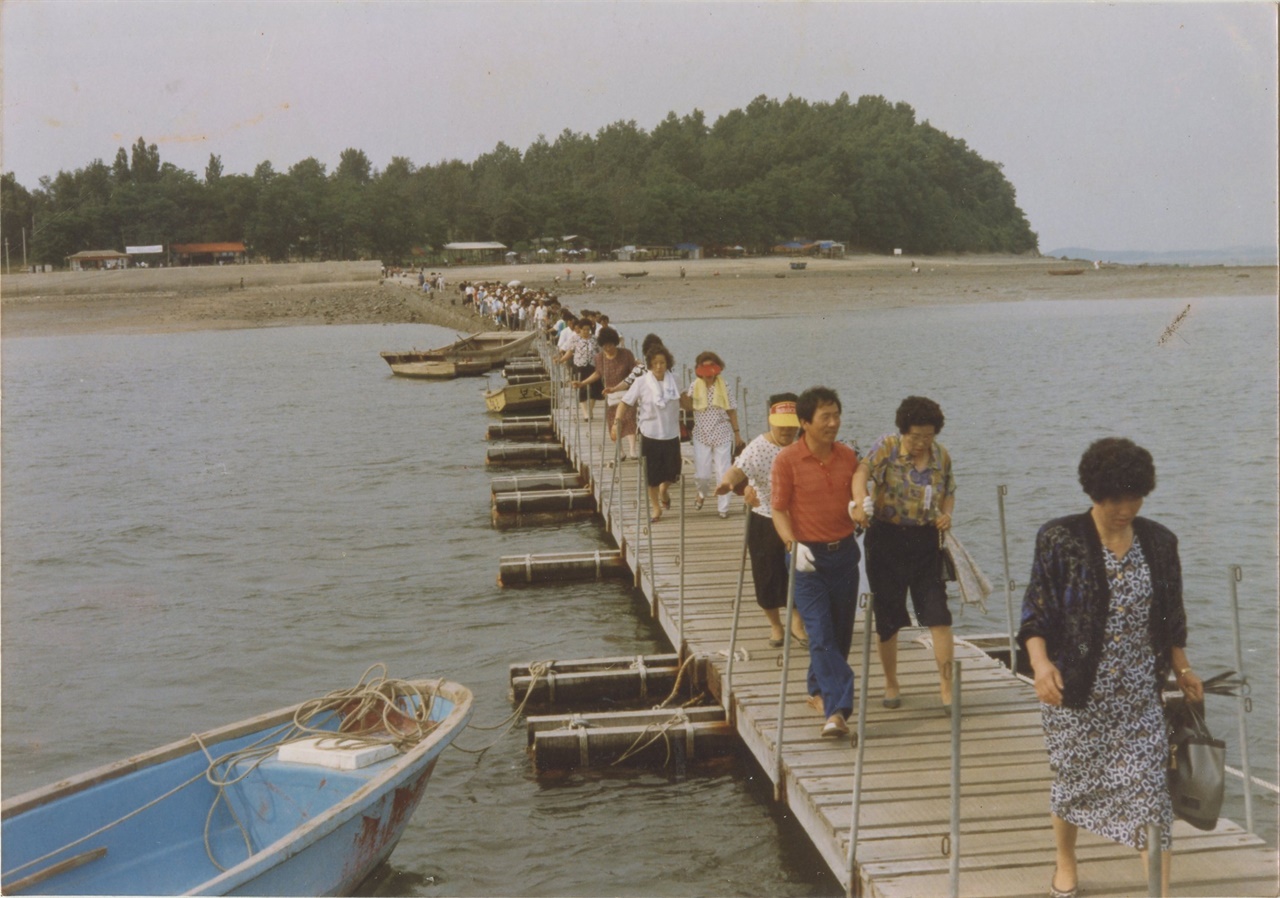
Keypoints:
pixel 199 527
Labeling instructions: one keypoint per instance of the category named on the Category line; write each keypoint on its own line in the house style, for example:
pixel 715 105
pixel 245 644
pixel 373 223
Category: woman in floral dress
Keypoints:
pixel 1103 624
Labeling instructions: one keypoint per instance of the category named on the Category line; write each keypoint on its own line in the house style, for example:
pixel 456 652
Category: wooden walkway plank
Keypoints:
pixel 1006 842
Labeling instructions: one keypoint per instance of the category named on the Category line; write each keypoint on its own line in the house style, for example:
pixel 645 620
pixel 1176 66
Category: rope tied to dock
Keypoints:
pixel 537 671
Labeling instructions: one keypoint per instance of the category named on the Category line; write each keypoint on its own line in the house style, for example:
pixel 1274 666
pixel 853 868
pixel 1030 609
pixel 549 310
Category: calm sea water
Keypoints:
pixel 199 527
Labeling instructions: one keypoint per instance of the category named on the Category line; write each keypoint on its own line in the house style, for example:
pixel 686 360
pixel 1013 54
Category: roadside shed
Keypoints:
pixel 97 260
pixel 475 252
pixel 209 253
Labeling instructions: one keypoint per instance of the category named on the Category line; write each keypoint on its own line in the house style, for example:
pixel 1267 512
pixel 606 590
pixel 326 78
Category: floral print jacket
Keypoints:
pixel 1067 600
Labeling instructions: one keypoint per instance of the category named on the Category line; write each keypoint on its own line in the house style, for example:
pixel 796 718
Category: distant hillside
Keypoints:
pixel 1231 255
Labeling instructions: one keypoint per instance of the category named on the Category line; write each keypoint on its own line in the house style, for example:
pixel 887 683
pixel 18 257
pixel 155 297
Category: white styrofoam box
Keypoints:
pixel 325 751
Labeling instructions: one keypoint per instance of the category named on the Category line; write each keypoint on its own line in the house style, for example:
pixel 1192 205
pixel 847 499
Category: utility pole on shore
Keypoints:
pixel 6 255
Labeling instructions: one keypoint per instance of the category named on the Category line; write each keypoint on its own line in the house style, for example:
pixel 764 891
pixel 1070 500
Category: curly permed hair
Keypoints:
pixel 1115 468
pixel 917 411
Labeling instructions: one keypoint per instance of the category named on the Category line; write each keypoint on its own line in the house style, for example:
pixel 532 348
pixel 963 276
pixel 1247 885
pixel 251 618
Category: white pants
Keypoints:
pixel 709 466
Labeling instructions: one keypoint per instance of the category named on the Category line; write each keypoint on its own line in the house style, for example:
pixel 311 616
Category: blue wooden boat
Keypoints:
pixel 306 800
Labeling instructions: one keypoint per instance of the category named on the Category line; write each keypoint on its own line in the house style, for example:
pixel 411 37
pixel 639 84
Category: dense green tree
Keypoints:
pixel 863 172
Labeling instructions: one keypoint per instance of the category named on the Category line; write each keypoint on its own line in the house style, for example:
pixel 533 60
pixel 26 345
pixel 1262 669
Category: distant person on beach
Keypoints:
pixel 754 468
pixel 812 482
pixel 654 399
pixel 612 364
pixel 715 429
pixel 1103 625
pixel 907 475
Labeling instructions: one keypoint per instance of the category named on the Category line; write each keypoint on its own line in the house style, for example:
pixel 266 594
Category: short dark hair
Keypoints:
pixel 810 399
pixel 608 337
pixel 657 349
pixel 1115 468
pixel 781 397
pixel 708 356
pixel 650 340
pixel 917 411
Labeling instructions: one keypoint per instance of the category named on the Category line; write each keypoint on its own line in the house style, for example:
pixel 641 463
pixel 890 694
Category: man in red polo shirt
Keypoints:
pixel 812 483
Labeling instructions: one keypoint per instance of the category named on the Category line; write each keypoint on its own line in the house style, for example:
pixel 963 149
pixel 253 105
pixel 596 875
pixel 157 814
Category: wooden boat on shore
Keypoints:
pixel 267 806
pixel 1066 271
pixel 520 398
pixel 634 274
pixel 441 370
pixel 491 347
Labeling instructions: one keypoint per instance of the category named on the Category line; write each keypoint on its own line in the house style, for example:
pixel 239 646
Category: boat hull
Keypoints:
pixel 489 347
pixel 520 398
pixel 311 830
pixel 440 370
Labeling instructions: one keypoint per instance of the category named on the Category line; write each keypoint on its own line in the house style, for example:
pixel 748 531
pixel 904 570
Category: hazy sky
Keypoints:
pixel 1122 127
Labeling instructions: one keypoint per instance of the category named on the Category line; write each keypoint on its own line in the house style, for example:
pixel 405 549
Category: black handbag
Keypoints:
pixel 1197 773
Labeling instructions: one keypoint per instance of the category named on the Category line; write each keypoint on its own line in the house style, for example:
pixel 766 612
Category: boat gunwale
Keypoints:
pixel 302 837
pixel 43 795
pixel 452 351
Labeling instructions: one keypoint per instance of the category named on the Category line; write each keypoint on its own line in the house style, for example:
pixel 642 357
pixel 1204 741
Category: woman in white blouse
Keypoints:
pixel 655 401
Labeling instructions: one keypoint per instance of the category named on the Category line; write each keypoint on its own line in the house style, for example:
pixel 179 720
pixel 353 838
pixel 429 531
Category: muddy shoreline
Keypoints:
pixel 174 300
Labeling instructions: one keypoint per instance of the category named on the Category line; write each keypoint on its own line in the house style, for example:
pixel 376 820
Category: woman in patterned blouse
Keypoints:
pixel 915 493
pixel 1103 625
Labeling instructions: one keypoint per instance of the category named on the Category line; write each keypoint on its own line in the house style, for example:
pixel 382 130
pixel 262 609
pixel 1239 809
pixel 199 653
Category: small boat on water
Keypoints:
pixel 306 800
pixel 520 398
pixel 441 370
pixel 490 347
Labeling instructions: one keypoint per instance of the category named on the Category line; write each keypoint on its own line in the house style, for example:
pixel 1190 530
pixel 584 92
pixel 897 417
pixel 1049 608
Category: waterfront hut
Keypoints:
pixel 97 260
pixel 689 251
pixel 228 253
pixel 475 252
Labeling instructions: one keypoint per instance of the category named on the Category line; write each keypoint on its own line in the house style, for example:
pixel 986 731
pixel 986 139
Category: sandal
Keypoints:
pixel 1055 892
pixel 697 503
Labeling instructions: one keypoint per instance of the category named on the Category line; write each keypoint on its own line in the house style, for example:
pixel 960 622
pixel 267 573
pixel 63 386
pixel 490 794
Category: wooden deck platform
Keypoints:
pixel 1006 843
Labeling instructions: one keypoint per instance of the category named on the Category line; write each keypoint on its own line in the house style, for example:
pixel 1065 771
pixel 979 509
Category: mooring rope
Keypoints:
pixel 537 670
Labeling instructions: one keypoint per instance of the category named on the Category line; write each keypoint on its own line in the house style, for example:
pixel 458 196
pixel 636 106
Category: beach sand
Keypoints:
pixel 184 299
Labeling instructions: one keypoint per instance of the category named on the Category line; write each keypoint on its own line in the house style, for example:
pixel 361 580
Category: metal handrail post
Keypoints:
pixel 737 614
pixel 642 502
pixel 786 666
pixel 680 650
pixel 746 427
pixel 613 479
pixel 855 804
pixel 1243 702
pixel 648 529
pixel 1001 491
pixel 1155 863
pixel 955 779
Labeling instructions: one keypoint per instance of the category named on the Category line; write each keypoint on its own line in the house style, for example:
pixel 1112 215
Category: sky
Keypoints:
pixel 1128 126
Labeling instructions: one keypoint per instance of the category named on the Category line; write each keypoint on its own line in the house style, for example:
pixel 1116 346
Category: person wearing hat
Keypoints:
pixel 715 428
pixel 753 468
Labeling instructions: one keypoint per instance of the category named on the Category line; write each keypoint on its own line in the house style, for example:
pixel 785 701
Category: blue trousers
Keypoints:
pixel 827 599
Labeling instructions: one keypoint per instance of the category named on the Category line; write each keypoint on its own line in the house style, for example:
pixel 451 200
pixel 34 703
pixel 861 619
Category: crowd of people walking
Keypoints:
pixel 1103 622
